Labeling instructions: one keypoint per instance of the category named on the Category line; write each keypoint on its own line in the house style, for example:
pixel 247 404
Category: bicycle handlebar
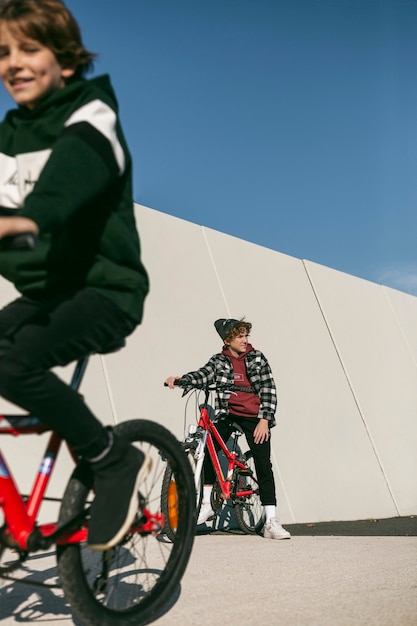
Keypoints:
pixel 23 241
pixel 177 383
pixel 211 387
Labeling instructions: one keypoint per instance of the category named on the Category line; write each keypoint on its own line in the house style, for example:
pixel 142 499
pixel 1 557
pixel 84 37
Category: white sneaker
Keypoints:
pixel 274 530
pixel 206 513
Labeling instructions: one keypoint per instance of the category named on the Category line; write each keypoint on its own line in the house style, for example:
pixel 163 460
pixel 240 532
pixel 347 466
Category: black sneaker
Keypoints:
pixel 116 483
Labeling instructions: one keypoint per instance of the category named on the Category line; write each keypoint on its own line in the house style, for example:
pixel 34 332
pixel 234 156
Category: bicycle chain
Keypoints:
pixel 216 499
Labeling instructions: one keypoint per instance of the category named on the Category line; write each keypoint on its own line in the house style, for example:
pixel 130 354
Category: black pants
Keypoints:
pixel 36 337
pixel 261 456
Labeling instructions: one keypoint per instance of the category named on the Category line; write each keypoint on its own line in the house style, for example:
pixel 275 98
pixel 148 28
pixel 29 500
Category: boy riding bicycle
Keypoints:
pixel 240 364
pixel 65 175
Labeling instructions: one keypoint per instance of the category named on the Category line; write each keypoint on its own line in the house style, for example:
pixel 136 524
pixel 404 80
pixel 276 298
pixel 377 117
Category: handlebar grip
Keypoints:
pixel 24 241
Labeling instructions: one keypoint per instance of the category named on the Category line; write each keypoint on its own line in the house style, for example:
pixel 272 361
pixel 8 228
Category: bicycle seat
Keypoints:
pixel 114 346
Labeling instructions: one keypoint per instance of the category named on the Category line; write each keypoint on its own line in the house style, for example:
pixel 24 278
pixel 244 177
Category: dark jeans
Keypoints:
pixel 36 337
pixel 261 456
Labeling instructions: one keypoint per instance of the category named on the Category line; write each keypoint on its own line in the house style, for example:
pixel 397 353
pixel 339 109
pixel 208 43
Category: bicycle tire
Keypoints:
pixel 168 483
pixel 133 582
pixel 249 511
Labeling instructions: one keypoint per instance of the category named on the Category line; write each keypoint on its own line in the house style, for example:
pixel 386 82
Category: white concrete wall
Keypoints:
pixel 343 352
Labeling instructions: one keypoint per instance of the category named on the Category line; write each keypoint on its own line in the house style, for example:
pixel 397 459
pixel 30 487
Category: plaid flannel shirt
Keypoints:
pixel 219 370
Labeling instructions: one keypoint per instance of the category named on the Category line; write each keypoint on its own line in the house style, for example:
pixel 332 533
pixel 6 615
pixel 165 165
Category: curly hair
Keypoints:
pixel 237 329
pixel 52 24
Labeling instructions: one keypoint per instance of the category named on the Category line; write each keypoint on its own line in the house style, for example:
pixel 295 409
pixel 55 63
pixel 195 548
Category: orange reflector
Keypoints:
pixel 172 504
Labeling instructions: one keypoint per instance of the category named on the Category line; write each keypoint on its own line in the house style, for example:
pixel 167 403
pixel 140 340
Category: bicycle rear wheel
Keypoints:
pixel 248 510
pixel 169 496
pixel 131 583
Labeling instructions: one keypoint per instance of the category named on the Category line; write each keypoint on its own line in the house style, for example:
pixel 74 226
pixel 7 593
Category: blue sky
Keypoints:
pixel 288 123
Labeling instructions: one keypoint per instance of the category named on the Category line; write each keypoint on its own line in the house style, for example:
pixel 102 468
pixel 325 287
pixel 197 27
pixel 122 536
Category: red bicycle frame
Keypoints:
pixel 233 462
pixel 21 530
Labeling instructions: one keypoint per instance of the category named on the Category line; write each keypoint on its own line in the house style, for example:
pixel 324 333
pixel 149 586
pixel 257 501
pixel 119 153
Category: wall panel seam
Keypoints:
pixel 108 388
pixel 213 263
pixel 398 323
pixel 352 391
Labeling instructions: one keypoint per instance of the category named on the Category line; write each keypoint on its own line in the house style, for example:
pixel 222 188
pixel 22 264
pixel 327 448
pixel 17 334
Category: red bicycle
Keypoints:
pixel 130 583
pixel 236 479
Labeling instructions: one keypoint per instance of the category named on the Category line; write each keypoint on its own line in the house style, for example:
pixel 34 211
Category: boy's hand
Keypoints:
pixel 10 226
pixel 261 432
pixel 170 381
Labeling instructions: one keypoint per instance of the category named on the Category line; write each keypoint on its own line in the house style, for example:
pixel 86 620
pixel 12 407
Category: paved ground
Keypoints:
pixel 345 574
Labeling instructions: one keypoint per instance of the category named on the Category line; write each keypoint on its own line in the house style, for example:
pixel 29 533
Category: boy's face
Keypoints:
pixel 29 70
pixel 239 344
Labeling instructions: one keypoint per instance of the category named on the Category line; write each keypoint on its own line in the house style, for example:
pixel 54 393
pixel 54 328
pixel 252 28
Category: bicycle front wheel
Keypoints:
pixel 248 510
pixel 131 583
pixel 169 497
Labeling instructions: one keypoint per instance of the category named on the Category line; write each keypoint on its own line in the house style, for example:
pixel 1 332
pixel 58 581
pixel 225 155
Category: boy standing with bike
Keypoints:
pixel 65 176
pixel 253 409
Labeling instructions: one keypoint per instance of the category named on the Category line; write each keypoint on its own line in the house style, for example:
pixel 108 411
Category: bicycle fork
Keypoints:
pixel 197 438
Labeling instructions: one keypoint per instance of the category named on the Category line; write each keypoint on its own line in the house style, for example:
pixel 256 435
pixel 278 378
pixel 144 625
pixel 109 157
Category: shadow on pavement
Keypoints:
pixel 391 527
